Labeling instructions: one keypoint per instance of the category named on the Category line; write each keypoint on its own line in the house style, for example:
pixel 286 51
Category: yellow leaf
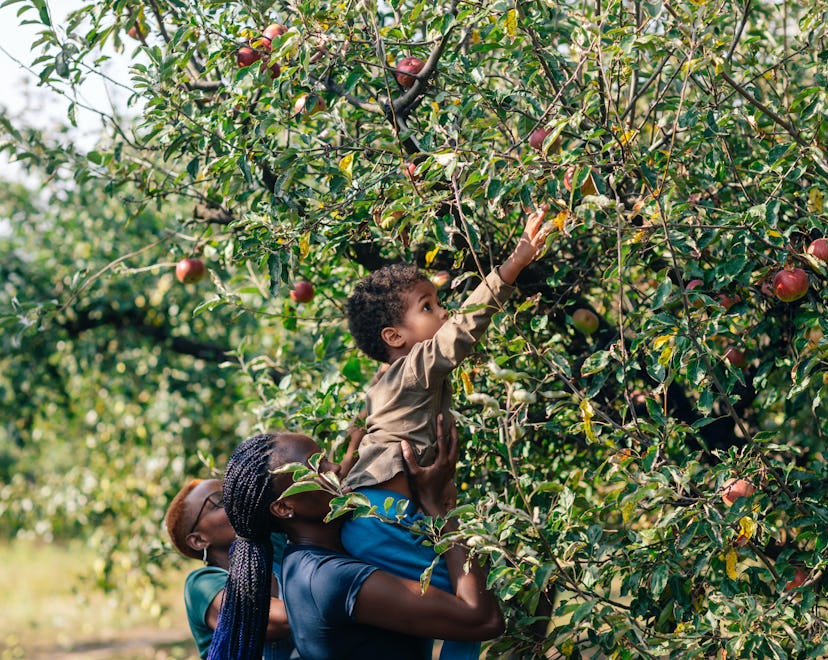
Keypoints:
pixel 568 647
pixel 430 256
pixel 773 233
pixel 560 220
pixel 587 413
pixel 468 388
pixel 731 558
pixel 511 22
pixel 304 245
pixel 346 164
pixel 475 36
pixel 815 199
pixel 747 527
pixel 666 354
pixel 626 136
pixel 660 341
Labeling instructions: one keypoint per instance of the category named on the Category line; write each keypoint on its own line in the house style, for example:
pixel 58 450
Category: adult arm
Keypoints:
pixel 393 603
pixel 277 623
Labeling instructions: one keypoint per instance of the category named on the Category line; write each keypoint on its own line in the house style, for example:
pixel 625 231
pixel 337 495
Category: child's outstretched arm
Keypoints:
pixel 533 238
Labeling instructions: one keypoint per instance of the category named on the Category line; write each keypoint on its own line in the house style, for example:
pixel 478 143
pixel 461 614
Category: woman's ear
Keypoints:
pixel 391 336
pixel 281 509
pixel 197 541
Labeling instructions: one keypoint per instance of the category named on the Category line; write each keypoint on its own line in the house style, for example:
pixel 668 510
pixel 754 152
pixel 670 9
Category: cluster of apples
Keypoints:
pixel 259 49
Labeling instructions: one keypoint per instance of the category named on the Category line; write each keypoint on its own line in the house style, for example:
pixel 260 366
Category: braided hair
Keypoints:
pixel 248 493
pixel 377 303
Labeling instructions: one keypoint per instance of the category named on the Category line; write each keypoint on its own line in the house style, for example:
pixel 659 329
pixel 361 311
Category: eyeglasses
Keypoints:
pixel 215 499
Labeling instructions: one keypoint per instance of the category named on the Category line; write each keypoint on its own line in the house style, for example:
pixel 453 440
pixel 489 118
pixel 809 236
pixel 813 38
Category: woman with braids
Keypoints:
pixel 338 607
pixel 199 529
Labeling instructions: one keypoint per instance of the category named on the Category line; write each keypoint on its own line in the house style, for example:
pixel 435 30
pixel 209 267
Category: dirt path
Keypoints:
pixel 132 645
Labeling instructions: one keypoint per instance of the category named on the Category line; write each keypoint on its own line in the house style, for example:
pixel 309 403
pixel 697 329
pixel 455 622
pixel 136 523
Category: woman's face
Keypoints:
pixel 298 449
pixel 206 508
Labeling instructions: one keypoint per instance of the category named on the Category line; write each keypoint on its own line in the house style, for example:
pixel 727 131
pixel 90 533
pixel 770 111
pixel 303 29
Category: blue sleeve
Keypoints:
pixel 335 585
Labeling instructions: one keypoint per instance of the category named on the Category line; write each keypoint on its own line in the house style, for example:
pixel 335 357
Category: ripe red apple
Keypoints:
pixel 309 104
pixel 440 279
pixel 536 139
pixel 799 577
pixel 246 56
pixel 585 320
pixel 190 270
pixel 301 292
pixel 727 301
pixel 272 67
pixel 735 488
pixel 405 66
pixel 411 170
pixel 270 33
pixel 790 285
pixel 736 357
pixel 819 248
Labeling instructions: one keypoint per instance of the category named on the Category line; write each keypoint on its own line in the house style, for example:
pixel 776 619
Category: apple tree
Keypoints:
pixel 668 342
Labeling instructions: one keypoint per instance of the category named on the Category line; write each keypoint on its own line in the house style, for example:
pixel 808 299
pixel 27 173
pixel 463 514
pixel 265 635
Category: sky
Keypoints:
pixel 38 106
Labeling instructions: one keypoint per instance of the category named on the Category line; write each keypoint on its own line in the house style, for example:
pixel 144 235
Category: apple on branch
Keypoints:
pixel 790 284
pixel 190 270
pixel 538 137
pixel 246 56
pixel 302 292
pixel 309 104
pixel 405 68
pixel 819 249
pixel 734 488
pixel 585 321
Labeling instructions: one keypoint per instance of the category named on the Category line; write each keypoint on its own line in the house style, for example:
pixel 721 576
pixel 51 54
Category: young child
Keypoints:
pixel 395 317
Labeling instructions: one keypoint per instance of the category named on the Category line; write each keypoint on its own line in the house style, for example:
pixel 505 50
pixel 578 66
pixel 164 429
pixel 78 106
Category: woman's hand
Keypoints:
pixel 434 485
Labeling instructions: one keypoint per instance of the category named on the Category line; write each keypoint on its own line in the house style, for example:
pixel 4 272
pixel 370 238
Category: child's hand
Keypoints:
pixel 533 239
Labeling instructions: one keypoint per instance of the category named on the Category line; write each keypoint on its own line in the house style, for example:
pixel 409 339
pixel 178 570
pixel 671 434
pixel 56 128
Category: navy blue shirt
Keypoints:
pixel 320 591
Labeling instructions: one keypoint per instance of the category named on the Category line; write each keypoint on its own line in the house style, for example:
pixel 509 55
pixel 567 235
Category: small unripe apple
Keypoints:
pixel 819 249
pixel 309 104
pixel 190 270
pixel 736 357
pixel 790 285
pixel 301 292
pixel 246 56
pixel 440 279
pixel 735 488
pixel 408 65
pixel 585 320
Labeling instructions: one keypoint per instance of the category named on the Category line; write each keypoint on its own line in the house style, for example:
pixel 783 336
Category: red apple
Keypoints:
pixel 137 32
pixel 411 170
pixel 790 285
pixel 309 104
pixel 270 33
pixel 536 139
pixel 799 577
pixel 736 357
pixel 735 488
pixel 301 292
pixel 190 270
pixel 585 320
pixel 727 301
pixel 246 56
pixel 408 65
pixel 272 67
pixel 568 175
pixel 440 279
pixel 819 248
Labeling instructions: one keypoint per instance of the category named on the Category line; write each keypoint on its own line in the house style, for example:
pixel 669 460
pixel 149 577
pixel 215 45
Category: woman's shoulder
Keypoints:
pixel 205 573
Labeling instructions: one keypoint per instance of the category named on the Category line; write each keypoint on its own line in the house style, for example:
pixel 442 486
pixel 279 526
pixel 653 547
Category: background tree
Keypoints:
pixel 650 360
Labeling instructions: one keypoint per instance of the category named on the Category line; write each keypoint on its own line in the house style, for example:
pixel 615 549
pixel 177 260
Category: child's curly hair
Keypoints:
pixel 377 303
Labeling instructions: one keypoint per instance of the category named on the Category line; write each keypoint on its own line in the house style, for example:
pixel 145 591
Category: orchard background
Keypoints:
pixel 692 138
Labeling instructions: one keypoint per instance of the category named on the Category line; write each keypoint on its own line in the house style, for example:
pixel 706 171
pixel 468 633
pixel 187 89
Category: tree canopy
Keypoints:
pixel 661 347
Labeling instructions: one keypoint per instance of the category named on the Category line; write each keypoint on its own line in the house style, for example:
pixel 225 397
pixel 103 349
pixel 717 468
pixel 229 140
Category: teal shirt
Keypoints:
pixel 204 584
pixel 200 589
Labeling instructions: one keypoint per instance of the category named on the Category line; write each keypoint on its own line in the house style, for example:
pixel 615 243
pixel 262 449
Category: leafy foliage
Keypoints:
pixel 684 144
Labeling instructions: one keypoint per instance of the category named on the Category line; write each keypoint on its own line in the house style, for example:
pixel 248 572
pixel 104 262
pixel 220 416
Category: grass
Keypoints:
pixel 49 611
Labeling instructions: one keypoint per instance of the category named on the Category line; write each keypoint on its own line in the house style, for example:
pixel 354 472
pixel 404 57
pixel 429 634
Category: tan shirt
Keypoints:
pixel 404 403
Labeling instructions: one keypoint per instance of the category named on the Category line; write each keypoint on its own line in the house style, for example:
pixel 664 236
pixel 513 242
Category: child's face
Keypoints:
pixel 423 314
